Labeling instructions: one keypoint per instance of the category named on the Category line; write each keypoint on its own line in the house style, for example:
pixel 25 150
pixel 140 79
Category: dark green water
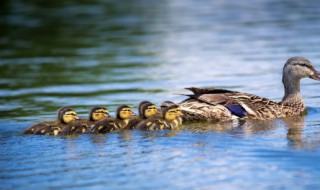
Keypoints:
pixel 86 53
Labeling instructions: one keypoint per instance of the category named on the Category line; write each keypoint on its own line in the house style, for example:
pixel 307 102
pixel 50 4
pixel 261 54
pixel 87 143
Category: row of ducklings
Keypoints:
pixel 149 118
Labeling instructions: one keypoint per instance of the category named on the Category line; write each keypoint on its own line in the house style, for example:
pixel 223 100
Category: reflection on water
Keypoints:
pixel 85 53
pixel 295 126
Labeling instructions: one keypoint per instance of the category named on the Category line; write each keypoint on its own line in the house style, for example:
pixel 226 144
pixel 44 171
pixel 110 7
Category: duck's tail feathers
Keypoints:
pixel 196 90
pixel 189 95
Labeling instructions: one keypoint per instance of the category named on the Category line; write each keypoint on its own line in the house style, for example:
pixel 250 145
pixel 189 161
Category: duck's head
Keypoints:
pixel 140 107
pixel 166 104
pixel 98 113
pixel 297 68
pixel 171 113
pixel 148 110
pixel 66 115
pixel 124 112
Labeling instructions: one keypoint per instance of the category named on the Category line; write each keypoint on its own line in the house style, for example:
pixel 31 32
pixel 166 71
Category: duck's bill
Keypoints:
pixel 315 76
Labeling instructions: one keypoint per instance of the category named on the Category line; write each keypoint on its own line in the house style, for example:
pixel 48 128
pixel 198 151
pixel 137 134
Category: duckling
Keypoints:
pixel 140 111
pixel 65 116
pixel 110 124
pixel 146 110
pixel 169 115
pixel 82 125
pixel 214 104
pixel 166 104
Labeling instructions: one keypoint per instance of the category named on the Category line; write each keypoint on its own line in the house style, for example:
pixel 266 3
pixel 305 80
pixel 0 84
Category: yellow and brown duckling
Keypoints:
pixel 140 111
pixel 123 114
pixel 81 126
pixel 168 120
pixel 146 110
pixel 66 115
pixel 166 104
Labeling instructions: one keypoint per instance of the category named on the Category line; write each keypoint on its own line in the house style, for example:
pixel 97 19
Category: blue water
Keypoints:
pixel 87 53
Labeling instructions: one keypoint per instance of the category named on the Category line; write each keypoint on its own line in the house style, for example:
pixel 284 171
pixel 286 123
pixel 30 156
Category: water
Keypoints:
pixel 87 53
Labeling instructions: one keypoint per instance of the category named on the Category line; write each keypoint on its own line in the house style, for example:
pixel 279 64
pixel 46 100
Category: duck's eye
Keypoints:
pixel 126 110
pixel 303 65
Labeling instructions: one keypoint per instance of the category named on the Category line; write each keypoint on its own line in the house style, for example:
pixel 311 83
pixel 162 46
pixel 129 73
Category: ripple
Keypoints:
pixel 106 52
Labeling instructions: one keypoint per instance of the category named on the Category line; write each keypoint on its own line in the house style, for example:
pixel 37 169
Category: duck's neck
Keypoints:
pixel 292 94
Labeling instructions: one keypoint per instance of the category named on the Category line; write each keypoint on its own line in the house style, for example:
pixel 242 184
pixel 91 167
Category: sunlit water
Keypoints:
pixel 113 52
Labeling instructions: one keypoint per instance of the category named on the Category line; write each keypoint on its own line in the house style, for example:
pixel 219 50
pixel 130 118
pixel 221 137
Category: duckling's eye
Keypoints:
pixel 72 114
pixel 126 110
pixel 100 112
pixel 152 108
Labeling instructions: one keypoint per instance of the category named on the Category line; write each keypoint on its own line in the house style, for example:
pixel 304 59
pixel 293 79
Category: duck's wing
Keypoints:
pixel 152 124
pixel 49 130
pixel 33 128
pixel 105 126
pixel 133 122
pixel 76 127
pixel 240 104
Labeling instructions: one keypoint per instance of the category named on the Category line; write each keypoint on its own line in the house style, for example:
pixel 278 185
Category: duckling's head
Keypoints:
pixel 166 104
pixel 171 113
pixel 66 115
pixel 123 112
pixel 98 113
pixel 141 105
pixel 297 68
pixel 148 110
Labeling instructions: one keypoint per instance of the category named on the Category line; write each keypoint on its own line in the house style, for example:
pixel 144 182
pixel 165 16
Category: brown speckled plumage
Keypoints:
pixel 214 104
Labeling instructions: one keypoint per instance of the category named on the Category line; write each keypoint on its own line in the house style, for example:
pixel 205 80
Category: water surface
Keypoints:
pixel 87 53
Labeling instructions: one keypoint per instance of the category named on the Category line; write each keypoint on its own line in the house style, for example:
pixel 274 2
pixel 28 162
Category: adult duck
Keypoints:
pixel 220 105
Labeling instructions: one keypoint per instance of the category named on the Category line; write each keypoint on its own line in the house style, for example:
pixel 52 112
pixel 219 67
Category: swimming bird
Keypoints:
pixel 169 115
pixel 66 115
pixel 81 126
pixel 146 110
pixel 220 105
pixel 179 119
pixel 123 114
pixel 140 111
